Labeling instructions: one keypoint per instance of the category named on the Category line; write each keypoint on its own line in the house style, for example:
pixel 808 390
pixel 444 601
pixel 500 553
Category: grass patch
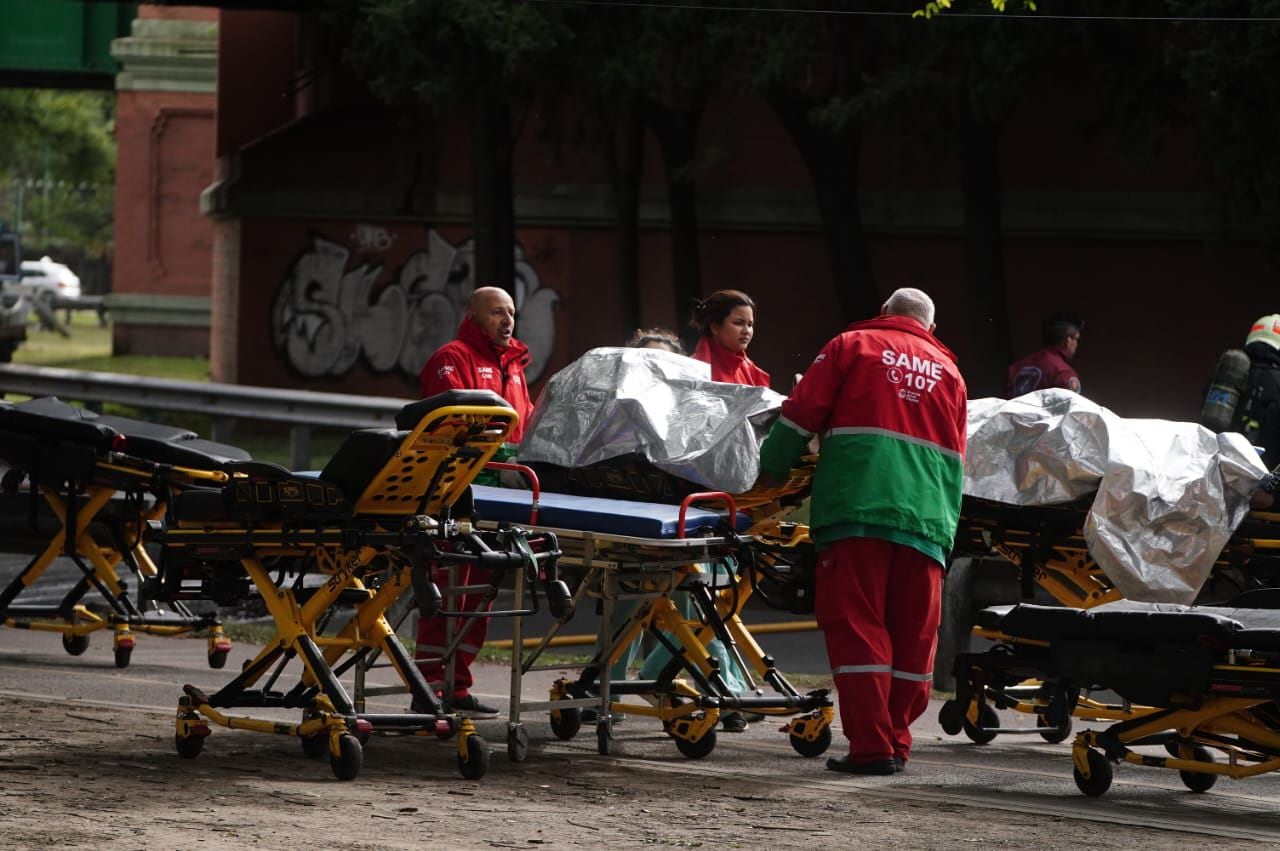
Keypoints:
pixel 89 349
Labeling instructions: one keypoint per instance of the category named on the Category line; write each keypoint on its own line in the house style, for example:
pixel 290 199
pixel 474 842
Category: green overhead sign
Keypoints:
pixel 71 36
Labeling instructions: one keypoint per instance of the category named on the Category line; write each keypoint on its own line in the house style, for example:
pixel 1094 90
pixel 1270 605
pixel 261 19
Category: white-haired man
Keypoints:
pixel 891 406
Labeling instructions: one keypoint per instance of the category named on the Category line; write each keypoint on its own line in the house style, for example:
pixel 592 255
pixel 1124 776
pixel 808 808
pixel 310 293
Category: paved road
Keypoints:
pixel 1015 774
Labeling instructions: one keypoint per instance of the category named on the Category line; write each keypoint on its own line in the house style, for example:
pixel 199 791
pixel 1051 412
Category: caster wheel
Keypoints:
pixel 1099 779
pixel 817 747
pixel 951 718
pixel 566 723
pixel 218 659
pixel 188 747
pixel 346 765
pixel 699 749
pixel 75 644
pixel 123 655
pixel 604 737
pixel 315 746
pixel 517 743
pixel 1198 781
pixel 477 761
pixel 1053 735
pixel 981 734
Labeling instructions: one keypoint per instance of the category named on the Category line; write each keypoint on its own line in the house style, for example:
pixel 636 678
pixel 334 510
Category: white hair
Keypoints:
pixel 912 302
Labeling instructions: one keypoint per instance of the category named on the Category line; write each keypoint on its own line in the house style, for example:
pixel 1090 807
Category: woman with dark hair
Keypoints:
pixel 726 322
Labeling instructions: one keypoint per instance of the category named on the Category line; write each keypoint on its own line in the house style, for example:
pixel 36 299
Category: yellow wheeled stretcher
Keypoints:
pixel 1047 545
pixel 627 550
pixel 1208 678
pixel 104 479
pixel 387 505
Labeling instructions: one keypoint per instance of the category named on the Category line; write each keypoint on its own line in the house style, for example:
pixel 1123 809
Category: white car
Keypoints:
pixel 43 278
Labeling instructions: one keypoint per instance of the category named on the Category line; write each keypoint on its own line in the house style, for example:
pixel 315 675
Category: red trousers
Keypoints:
pixel 431 632
pixel 878 604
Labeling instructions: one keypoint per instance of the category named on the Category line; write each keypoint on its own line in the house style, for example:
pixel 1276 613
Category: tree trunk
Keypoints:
pixel 626 157
pixel 493 215
pixel 677 132
pixel 832 160
pixel 984 255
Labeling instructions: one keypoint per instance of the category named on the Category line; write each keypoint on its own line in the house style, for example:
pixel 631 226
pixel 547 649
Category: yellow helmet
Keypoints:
pixel 1265 330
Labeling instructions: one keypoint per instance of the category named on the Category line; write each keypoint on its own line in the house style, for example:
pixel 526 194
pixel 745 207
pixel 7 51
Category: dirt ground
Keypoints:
pixel 77 776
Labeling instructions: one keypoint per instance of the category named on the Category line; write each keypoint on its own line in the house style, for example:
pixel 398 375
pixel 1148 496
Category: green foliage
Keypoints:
pixel 1232 73
pixel 937 8
pixel 435 53
pixel 57 166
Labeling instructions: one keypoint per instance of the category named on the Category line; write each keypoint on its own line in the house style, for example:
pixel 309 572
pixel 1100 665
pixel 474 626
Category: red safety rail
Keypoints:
pixel 709 496
pixel 531 477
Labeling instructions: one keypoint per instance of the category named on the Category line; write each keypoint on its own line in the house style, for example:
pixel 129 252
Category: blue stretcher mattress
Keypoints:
pixel 592 514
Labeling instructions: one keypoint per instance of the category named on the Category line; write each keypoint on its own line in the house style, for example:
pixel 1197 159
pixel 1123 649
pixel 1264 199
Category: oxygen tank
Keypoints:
pixel 1230 382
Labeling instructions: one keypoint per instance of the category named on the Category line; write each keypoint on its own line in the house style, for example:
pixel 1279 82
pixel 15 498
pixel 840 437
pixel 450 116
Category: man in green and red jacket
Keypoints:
pixel 890 405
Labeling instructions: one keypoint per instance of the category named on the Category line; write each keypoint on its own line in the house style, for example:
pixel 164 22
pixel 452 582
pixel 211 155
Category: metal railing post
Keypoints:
pixel 300 446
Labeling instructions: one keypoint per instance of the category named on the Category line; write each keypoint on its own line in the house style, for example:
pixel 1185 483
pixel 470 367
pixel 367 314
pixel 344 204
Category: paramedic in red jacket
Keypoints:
pixel 485 356
pixel 890 404
pixel 726 322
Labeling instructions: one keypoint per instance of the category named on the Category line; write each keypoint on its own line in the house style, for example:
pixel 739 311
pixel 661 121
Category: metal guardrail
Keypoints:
pixel 301 409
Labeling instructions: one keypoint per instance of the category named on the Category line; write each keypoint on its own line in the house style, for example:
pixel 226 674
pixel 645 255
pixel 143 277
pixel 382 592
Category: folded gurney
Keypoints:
pixel 104 478
pixel 1199 681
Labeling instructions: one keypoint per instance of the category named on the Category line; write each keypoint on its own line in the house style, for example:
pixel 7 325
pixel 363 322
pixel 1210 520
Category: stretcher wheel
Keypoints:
pixel 1051 734
pixel 817 747
pixel 697 750
pixel 75 644
pixel 517 743
pixel 188 747
pixel 123 654
pixel 604 736
pixel 477 761
pixel 566 723
pixel 1198 781
pixel 1099 779
pixel 218 659
pixel 346 765
pixel 981 734
pixel 951 717
pixel 315 746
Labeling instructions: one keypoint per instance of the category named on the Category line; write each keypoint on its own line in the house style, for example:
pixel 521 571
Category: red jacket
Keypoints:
pixel 1045 368
pixel 891 406
pixel 729 367
pixel 472 362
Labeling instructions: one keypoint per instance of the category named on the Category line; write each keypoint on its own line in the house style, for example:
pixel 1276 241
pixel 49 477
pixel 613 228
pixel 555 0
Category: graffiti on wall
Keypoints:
pixel 328 317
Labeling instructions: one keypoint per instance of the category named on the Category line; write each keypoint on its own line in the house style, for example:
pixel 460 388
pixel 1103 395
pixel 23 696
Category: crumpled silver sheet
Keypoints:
pixel 664 406
pixel 1168 494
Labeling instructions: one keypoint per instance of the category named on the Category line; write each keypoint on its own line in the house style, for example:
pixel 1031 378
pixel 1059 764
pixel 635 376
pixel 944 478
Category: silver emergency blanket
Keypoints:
pixel 663 406
pixel 1168 495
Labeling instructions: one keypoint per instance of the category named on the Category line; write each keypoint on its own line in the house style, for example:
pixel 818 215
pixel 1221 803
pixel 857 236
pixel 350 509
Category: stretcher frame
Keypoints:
pixel 77 506
pixel 1051 553
pixel 371 559
pixel 621 567
pixel 1236 714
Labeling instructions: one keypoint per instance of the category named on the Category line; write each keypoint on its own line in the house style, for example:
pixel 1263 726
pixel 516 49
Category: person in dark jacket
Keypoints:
pixel 1051 365
pixel 1259 416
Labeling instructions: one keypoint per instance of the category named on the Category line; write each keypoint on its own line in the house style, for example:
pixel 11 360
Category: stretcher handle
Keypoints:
pixel 717 496
pixel 530 476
